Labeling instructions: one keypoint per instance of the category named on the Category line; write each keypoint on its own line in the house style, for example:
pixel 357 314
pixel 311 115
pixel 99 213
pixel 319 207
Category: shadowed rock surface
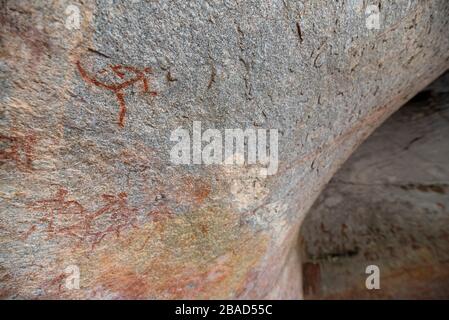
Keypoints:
pixel 387 206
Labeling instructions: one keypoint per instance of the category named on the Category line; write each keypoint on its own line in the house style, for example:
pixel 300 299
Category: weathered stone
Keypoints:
pixel 388 207
pixel 86 172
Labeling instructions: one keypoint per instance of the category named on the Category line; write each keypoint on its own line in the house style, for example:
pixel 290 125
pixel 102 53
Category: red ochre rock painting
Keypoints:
pixel 119 71
pixel 63 217
pixel 18 149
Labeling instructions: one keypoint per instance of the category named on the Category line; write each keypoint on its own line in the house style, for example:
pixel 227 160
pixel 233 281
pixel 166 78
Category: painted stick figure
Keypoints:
pixel 118 88
pixel 62 216
pixel 113 217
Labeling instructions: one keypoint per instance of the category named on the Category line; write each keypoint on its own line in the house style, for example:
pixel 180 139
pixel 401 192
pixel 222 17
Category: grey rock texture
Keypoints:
pixel 86 176
pixel 387 206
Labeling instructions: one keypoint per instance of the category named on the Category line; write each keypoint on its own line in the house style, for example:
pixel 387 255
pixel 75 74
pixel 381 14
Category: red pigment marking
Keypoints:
pixel 30 231
pixel 113 217
pixel 18 149
pixel 69 218
pixel 56 210
pixel 57 281
pixel 118 88
pixel 160 213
